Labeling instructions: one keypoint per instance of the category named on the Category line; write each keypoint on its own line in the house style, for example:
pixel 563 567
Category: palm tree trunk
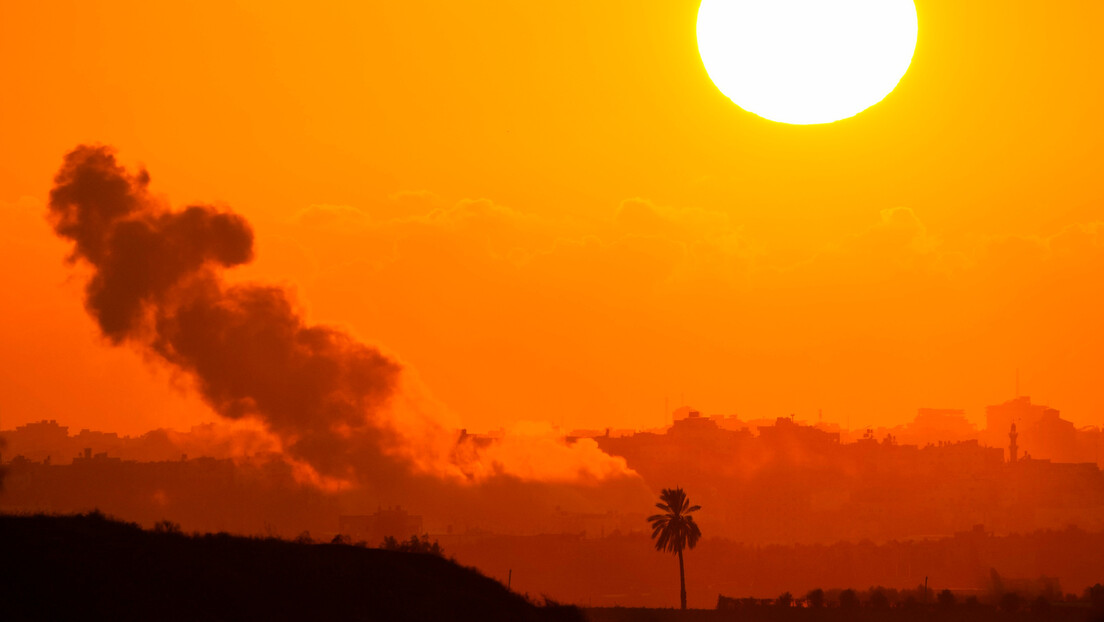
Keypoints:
pixel 682 579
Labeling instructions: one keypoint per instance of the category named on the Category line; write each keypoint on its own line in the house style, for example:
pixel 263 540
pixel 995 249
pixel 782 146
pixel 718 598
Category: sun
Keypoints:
pixel 806 61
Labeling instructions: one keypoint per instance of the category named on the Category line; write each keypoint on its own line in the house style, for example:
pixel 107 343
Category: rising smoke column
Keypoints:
pixel 156 284
pixel 342 410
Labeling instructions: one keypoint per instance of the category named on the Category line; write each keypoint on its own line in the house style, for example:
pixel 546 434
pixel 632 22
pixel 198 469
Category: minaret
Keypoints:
pixel 1012 449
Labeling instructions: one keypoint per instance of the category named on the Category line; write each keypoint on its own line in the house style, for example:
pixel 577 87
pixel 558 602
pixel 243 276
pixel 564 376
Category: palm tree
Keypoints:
pixel 675 529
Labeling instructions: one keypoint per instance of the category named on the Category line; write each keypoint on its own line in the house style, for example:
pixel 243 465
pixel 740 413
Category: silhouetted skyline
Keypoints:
pixel 765 481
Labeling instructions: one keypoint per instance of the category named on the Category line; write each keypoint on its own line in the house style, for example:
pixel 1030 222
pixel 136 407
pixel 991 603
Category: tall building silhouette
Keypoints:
pixel 1046 434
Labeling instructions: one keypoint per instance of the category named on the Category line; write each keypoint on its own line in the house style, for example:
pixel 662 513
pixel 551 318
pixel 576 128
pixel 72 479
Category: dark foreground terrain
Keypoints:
pixel 91 567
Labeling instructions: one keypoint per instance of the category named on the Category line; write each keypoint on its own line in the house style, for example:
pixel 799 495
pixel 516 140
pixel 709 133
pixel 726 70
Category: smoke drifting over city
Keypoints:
pixel 344 413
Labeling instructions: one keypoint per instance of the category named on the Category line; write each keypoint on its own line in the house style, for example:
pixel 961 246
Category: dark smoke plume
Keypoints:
pixel 156 283
pixel 343 411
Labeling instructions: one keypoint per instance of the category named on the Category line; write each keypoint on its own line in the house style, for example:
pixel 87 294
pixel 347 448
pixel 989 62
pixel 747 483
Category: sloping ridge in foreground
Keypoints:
pixel 86 566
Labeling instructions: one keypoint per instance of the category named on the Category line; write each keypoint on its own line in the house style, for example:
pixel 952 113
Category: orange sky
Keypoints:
pixel 549 212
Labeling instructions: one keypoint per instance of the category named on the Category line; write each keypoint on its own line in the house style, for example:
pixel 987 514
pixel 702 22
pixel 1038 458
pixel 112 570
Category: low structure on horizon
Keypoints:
pixel 373 528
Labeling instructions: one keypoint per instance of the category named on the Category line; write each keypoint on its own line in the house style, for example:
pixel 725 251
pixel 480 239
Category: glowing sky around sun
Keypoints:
pixel 806 61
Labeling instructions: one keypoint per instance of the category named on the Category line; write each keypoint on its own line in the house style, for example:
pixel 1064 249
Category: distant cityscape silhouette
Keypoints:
pixel 782 483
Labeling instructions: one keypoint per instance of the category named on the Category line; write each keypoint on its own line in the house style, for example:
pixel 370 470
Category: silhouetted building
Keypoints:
pixel 693 424
pixel 38 440
pixel 786 431
pixel 1042 431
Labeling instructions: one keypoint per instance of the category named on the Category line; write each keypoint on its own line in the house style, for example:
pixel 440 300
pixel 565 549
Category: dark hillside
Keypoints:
pixel 89 567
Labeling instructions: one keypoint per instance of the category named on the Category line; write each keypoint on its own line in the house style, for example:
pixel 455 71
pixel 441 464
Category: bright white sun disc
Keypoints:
pixel 806 61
